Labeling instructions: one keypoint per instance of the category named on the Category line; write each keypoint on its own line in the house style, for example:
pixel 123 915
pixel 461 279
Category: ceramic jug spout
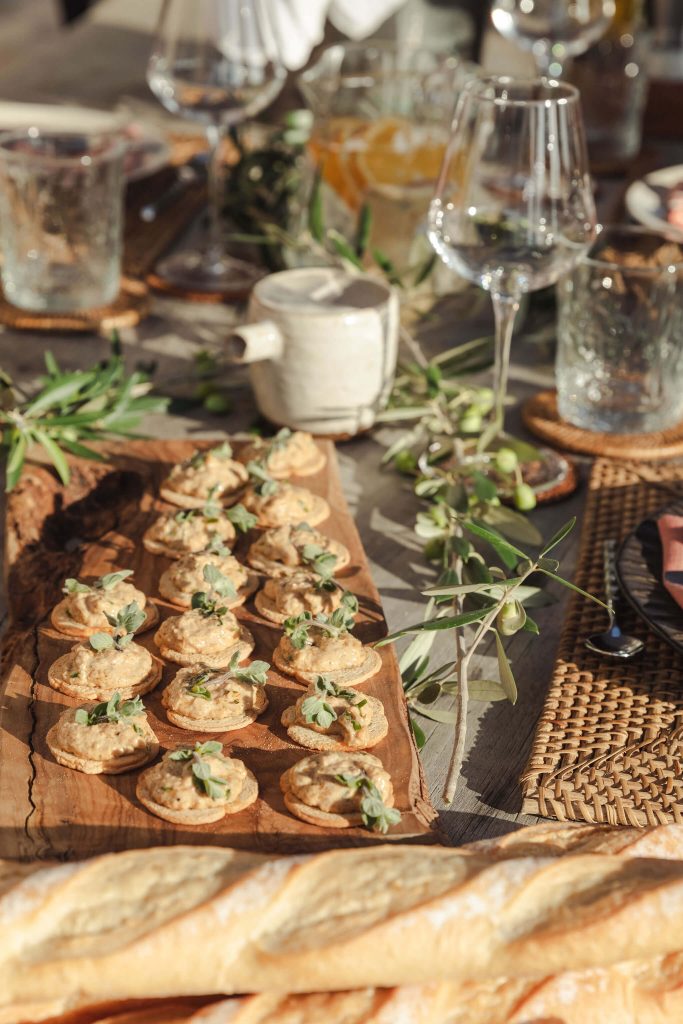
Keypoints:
pixel 253 343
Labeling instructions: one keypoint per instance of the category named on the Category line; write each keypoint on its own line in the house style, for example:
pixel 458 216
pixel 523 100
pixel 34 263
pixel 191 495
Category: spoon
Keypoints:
pixel 613 643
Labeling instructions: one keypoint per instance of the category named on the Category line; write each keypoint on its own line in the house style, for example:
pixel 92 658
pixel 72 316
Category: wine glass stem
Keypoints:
pixel 505 309
pixel 216 186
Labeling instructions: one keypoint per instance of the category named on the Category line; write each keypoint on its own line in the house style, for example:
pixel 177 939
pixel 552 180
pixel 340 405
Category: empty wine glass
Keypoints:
pixel 513 209
pixel 216 62
pixel 554 30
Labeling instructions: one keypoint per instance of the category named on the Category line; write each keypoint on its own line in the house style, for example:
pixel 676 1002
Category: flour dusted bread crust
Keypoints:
pixel 96 675
pixel 194 638
pixel 427 915
pixel 289 453
pixel 287 505
pixel 102 748
pixel 171 790
pixel 184 577
pixel 279 550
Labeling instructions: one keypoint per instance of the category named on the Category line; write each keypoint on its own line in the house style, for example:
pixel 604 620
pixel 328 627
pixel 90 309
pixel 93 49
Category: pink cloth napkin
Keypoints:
pixel 671 535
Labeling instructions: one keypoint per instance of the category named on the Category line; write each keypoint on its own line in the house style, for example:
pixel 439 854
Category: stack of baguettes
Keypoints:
pixel 554 924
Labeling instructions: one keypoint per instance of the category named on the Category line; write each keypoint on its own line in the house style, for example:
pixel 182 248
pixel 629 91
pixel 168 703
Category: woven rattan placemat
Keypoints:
pixel 609 743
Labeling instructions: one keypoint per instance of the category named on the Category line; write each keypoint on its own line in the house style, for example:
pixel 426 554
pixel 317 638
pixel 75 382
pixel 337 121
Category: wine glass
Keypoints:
pixel 554 30
pixel 216 62
pixel 513 209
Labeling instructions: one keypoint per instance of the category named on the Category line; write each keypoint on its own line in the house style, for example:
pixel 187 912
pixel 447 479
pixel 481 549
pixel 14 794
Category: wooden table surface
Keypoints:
pixel 101 60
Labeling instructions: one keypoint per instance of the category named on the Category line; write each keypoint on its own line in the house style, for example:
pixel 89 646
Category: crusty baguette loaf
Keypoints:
pixel 192 920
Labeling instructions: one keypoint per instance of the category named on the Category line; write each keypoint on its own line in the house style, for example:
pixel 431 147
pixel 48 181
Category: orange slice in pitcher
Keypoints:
pixel 335 150
pixel 400 157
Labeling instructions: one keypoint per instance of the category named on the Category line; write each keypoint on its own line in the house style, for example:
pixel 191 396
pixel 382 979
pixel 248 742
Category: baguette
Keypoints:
pixel 177 921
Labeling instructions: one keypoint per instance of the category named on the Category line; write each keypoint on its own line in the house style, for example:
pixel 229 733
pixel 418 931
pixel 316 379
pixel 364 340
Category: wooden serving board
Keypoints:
pixel 95 526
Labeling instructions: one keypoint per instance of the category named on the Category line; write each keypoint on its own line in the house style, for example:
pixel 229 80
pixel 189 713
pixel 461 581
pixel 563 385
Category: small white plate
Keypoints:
pixel 147 152
pixel 645 203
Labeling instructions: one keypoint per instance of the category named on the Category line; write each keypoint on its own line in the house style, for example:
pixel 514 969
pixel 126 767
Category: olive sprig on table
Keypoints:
pixel 469 592
pixel 71 410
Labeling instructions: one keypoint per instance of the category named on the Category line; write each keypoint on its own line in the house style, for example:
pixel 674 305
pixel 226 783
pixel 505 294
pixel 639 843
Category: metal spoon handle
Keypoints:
pixel 609 554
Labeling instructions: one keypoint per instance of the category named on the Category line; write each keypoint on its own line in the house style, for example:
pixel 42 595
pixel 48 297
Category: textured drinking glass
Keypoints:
pixel 620 335
pixel 61 208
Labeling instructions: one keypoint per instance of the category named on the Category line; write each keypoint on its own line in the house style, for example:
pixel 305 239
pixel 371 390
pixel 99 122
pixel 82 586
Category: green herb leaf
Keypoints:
pixel 241 519
pixel 101 641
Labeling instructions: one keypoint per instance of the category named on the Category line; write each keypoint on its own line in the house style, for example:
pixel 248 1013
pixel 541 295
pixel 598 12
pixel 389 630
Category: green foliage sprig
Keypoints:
pixel 342 620
pixel 207 602
pixel 317 709
pixel 204 779
pixel 375 814
pixel 104 583
pixel 256 674
pixel 71 410
pixel 113 711
pixel 124 623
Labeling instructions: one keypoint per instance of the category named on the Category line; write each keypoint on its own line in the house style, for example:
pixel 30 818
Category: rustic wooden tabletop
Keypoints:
pixel 102 60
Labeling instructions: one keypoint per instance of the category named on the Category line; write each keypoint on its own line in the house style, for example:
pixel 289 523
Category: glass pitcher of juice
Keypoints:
pixel 381 123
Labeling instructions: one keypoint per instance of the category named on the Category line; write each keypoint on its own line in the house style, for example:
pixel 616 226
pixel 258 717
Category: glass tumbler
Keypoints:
pixel 619 365
pixel 61 215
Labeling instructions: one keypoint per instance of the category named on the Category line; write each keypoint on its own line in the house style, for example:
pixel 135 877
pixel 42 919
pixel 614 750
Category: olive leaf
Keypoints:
pixel 240 518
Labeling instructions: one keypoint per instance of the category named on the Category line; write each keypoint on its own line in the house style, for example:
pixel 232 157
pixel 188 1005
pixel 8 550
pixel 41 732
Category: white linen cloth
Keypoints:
pixel 299 24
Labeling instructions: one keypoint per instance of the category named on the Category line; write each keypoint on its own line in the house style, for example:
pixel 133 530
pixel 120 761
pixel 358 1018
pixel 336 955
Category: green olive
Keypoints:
pixel 524 497
pixel 506 460
pixel 470 422
pixel 510 618
pixel 405 461
pixel 433 550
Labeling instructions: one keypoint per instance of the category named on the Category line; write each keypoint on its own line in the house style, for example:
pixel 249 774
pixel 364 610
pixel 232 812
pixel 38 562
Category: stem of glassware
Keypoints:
pixel 216 186
pixel 543 55
pixel 505 309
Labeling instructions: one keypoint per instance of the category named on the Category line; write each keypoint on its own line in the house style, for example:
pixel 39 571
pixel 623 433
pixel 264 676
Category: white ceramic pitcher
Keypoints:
pixel 322 347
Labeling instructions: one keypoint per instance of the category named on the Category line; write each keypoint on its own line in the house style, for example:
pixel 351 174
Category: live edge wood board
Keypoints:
pixel 95 526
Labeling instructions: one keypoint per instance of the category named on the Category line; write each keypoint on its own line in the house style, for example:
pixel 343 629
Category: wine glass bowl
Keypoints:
pixel 513 209
pixel 553 30
pixel 215 62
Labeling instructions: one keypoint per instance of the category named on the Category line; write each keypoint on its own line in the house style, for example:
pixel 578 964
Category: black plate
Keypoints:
pixel 639 568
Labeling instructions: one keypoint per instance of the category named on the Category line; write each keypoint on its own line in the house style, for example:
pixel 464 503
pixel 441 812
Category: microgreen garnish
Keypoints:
pixel 297 628
pixel 216 547
pixel 316 709
pixel 222 451
pixel 261 480
pixel 125 622
pixel 114 710
pixel 106 582
pixel 205 782
pixel 207 602
pixel 240 518
pixel 374 812
pixel 322 563
pixel 254 673
pixel 211 511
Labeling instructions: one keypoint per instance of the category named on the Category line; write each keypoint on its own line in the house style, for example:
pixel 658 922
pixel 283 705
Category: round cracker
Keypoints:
pixel 212 724
pixel 243 647
pixel 276 570
pixel 114 766
pixel 341 677
pixel 181 600
pixel 65 625
pixel 316 461
pixel 319 511
pixel 189 501
pixel 91 693
pixel 313 815
pixel 266 608
pixel 198 816
pixel 309 738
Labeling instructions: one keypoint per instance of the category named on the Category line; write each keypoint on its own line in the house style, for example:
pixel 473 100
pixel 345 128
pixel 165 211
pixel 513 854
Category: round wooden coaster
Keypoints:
pixel 541 417
pixel 160 284
pixel 128 309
